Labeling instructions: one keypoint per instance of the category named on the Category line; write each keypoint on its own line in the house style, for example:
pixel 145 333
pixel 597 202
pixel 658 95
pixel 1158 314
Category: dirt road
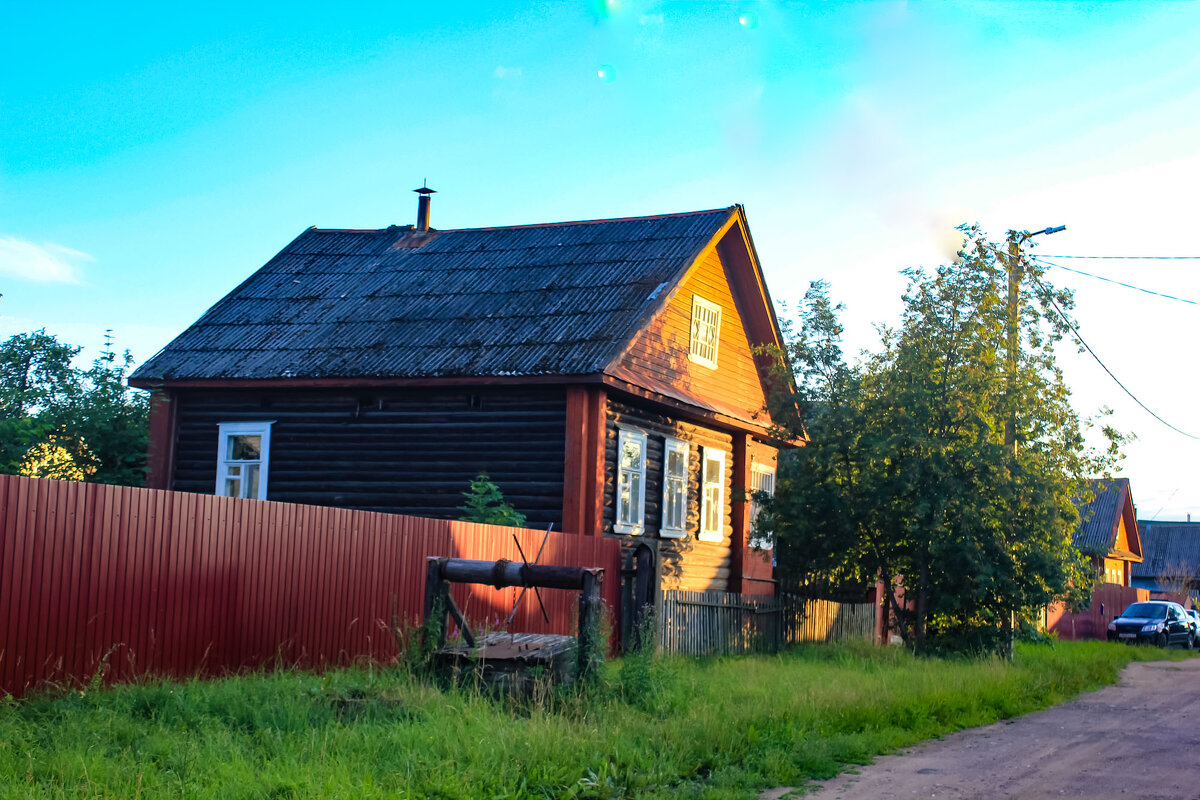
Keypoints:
pixel 1139 738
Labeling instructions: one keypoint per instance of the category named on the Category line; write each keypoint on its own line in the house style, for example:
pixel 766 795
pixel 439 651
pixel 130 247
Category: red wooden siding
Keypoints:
pixel 583 462
pixel 659 354
pixel 157 582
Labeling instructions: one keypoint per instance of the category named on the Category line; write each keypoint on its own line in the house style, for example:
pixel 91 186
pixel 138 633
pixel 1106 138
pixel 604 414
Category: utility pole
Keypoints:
pixel 1015 263
pixel 1016 272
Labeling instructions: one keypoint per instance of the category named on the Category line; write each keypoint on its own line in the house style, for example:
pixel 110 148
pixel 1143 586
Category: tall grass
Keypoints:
pixel 648 728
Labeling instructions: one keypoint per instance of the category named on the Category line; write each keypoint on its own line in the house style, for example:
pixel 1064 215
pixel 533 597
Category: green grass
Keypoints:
pixel 665 728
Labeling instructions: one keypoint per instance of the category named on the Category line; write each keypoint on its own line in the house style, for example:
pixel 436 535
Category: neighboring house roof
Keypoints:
pixel 556 299
pixel 1168 547
pixel 1100 520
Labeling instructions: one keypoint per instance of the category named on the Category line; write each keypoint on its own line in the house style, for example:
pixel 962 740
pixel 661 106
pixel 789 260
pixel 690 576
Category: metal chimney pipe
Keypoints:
pixel 423 207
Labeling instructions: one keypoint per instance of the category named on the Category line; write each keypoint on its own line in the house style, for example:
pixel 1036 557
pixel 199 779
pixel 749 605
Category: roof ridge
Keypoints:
pixel 395 228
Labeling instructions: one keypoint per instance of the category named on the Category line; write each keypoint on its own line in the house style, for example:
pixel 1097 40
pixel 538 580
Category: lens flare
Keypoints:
pixel 748 20
pixel 606 73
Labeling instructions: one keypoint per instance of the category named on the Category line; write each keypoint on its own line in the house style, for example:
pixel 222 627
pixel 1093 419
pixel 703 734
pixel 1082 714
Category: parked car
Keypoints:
pixel 1157 622
pixel 1195 615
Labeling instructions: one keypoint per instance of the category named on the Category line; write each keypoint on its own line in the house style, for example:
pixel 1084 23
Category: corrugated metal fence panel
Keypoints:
pixel 703 623
pixel 132 581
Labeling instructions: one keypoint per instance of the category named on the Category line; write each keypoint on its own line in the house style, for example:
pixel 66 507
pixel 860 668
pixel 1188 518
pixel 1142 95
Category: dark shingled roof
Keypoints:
pixel 1166 545
pixel 1097 531
pixel 558 299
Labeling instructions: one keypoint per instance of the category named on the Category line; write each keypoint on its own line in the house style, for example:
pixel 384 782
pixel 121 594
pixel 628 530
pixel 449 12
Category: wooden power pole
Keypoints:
pixel 1015 264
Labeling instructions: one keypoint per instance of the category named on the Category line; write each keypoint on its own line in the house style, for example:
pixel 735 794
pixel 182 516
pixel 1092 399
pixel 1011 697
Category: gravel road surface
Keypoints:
pixel 1139 738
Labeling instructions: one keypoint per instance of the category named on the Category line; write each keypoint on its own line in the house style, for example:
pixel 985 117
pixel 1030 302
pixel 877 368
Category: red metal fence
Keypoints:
pixel 122 581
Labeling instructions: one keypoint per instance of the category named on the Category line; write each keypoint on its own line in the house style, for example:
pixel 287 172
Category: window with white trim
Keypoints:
pixel 762 479
pixel 712 497
pixel 243 453
pixel 631 482
pixel 706 332
pixel 675 481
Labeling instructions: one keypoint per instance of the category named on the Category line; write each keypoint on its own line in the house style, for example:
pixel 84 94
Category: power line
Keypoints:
pixel 1043 260
pixel 1067 321
pixel 1133 258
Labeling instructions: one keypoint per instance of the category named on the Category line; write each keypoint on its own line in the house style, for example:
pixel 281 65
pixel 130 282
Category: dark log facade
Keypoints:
pixel 408 451
pixel 686 563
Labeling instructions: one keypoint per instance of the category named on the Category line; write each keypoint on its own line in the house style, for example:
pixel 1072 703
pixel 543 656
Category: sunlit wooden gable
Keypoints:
pixel 661 357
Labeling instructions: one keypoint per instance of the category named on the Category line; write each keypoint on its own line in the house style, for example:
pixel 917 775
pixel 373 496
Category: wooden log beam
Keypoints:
pixel 514 573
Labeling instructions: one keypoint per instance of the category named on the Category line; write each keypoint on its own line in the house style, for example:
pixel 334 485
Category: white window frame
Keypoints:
pixel 758 477
pixel 626 522
pixel 672 445
pixel 260 429
pixel 712 503
pixel 704 307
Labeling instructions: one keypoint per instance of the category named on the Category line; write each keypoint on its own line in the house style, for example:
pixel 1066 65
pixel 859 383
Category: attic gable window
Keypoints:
pixel 243 454
pixel 706 332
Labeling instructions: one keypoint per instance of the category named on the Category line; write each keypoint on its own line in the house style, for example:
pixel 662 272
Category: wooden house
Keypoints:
pixel 601 372
pixel 1172 558
pixel 1108 531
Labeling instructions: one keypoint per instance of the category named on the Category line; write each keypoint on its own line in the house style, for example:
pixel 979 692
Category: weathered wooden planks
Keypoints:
pixel 703 623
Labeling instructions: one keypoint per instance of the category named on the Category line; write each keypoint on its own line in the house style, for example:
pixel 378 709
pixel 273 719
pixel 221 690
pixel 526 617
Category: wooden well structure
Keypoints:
pixel 509 660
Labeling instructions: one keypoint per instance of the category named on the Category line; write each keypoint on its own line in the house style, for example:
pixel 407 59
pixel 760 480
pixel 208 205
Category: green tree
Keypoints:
pixel 485 504
pixel 59 421
pixel 907 476
pixel 37 384
pixel 109 422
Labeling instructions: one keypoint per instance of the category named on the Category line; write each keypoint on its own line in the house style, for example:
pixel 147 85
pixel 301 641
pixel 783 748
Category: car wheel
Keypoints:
pixel 1191 642
pixel 1162 641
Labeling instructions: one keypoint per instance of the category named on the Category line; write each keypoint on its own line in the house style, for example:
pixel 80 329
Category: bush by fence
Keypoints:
pixel 126 581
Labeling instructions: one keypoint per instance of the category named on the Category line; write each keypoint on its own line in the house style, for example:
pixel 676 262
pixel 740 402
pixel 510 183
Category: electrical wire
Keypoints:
pixel 1043 260
pixel 1079 338
pixel 1132 258
pixel 1067 321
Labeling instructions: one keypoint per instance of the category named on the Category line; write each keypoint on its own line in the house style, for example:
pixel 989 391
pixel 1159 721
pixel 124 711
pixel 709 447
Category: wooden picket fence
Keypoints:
pixel 703 623
pixel 811 620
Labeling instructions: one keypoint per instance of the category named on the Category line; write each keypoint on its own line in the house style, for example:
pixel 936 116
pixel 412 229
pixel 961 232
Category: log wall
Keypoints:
pixel 686 563
pixel 399 451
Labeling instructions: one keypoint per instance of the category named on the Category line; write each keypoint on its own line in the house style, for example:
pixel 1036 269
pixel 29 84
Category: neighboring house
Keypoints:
pixel 1108 531
pixel 1172 563
pixel 602 373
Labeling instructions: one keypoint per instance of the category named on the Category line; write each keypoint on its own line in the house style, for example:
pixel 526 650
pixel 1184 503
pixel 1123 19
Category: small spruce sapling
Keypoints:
pixel 485 504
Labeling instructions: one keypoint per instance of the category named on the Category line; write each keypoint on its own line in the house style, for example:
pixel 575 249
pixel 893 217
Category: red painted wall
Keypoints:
pixel 143 581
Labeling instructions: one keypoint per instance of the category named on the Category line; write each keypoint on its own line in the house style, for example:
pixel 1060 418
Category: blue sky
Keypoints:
pixel 151 157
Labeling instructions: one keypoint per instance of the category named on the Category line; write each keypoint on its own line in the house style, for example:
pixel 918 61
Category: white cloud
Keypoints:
pixel 43 263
